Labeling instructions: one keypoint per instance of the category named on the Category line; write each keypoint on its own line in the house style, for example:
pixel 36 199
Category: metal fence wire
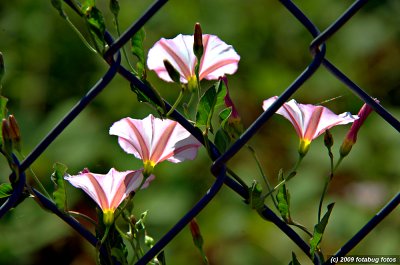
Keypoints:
pixel 218 168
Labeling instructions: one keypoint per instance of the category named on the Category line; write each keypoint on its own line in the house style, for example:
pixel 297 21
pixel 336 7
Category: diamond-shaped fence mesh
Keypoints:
pixel 319 50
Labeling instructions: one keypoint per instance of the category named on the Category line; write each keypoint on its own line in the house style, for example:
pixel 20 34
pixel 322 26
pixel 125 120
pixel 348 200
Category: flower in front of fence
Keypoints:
pixel 309 120
pixel 154 140
pixel 351 136
pixel 109 190
pixel 218 58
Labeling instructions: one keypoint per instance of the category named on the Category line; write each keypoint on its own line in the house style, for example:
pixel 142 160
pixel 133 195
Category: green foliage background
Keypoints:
pixel 48 69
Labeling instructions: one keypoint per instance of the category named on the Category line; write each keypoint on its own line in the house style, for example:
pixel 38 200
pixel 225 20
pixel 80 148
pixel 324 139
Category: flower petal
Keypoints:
pixel 218 59
pixel 310 121
pixel 178 51
pixel 155 139
pixel 109 190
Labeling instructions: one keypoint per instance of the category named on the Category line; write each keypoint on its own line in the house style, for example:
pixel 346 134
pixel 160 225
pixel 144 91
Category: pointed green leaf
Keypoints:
pixel 294 260
pixel 114 7
pixel 283 199
pixel 139 52
pixel 59 194
pixel 224 116
pixel 158 105
pixel 161 258
pixel 319 230
pixel 256 200
pixel 5 190
pixel 57 4
pixel 212 98
pixel 97 28
pixel 222 140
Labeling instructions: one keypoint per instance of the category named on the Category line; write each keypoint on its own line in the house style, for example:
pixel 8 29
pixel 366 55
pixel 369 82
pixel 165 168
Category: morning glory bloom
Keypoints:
pixel 109 190
pixel 309 121
pixel 154 140
pixel 218 58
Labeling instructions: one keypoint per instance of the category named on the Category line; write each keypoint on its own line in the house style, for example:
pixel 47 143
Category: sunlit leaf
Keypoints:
pixel 212 98
pixel 139 52
pixel 319 230
pixel 5 190
pixel 86 6
pixel 95 21
pixel 222 140
pixel 59 194
pixel 283 199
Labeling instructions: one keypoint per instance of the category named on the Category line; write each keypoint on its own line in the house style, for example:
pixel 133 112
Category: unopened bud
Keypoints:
pixel 195 230
pixel 172 72
pixel 14 133
pixel 198 41
pixel 6 134
pixel 328 139
pixel 114 7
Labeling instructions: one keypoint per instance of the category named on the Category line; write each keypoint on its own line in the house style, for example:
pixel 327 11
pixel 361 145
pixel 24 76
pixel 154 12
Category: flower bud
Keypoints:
pixel 351 136
pixel 328 139
pixel 195 230
pixel 198 48
pixel 6 134
pixel 14 133
pixel 172 72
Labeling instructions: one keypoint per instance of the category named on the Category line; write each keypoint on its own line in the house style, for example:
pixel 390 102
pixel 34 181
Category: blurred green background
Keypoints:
pixel 48 69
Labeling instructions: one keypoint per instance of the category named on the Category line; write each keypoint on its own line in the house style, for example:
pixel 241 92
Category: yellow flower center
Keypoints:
pixel 108 217
pixel 192 84
pixel 304 146
pixel 148 168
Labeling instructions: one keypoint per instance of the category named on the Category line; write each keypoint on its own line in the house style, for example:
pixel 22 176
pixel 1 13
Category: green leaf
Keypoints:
pixel 57 4
pixel 120 255
pixel 161 258
pixel 224 117
pixel 86 6
pixel 212 98
pixel 256 200
pixel 114 7
pixel 95 22
pixel 222 140
pixel 59 194
pixel 283 199
pixel 294 260
pixel 139 52
pixel 159 106
pixel 5 190
pixel 319 231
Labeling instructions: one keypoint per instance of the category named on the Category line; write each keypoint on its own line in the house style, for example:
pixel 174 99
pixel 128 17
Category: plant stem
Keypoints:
pixel 178 100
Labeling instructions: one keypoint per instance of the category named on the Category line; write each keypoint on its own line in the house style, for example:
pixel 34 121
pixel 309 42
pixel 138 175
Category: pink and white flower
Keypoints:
pixel 154 140
pixel 109 190
pixel 218 58
pixel 309 121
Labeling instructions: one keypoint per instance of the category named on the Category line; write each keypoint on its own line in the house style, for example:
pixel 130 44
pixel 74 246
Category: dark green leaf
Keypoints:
pixel 5 190
pixel 224 116
pixel 114 7
pixel 212 98
pixel 319 230
pixel 158 105
pixel 161 258
pixel 119 255
pixel 138 51
pixel 95 21
pixel 57 4
pixel 294 260
pixel 59 194
pixel 255 196
pixel 222 140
